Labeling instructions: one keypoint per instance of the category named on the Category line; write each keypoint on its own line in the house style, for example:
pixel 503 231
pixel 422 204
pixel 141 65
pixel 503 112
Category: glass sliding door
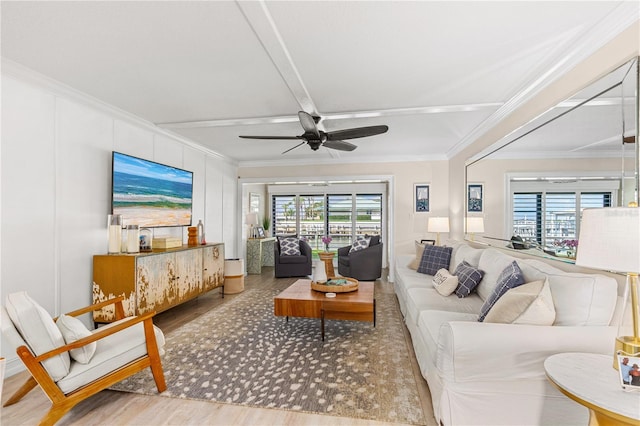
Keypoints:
pixel 339 219
pixel 368 214
pixel 312 223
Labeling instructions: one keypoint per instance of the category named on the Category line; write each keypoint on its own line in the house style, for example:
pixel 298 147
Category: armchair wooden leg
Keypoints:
pixel 20 393
pixel 56 412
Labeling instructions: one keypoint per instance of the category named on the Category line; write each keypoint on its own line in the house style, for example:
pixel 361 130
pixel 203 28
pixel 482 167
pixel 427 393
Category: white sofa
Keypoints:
pixel 483 373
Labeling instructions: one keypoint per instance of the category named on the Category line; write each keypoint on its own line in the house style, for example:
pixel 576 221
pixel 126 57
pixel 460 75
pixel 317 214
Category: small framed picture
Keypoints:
pixel 474 197
pixel 260 231
pixel 629 371
pixel 421 197
pixel 429 242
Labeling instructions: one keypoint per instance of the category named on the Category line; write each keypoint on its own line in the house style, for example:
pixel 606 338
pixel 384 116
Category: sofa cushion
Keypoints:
pixel 434 258
pixel 360 243
pixel 579 299
pixel 530 303
pixel 510 277
pixel 468 278
pixel 38 330
pixel 464 252
pixel 420 299
pixel 416 261
pixel 444 282
pixel 290 259
pixel 492 262
pixel 289 246
pixel 73 329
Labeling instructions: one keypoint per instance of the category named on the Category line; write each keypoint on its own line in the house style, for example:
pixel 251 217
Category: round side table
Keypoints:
pixel 590 380
pixel 327 258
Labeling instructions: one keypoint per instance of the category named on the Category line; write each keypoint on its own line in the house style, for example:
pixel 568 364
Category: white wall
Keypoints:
pixel 56 186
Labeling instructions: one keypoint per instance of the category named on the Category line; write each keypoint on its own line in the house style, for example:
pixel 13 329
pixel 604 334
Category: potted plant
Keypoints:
pixel 266 224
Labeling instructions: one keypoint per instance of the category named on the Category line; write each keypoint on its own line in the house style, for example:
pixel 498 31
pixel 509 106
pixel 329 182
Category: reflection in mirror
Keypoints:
pixel 580 154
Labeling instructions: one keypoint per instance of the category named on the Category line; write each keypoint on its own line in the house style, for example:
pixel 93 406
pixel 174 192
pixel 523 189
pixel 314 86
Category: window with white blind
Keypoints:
pixel 341 216
pixel 550 217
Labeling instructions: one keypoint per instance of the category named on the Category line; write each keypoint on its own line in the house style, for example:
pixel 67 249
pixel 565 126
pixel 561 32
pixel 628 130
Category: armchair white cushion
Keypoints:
pixel 37 328
pixel 73 329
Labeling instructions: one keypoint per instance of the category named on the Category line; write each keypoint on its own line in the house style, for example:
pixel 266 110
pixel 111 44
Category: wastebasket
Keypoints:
pixel 233 276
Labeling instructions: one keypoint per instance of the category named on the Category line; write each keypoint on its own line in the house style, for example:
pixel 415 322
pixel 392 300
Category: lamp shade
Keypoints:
pixel 475 224
pixel 438 224
pixel 251 218
pixel 610 239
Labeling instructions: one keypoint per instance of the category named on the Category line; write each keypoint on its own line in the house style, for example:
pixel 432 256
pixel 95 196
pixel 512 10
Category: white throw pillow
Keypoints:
pixel 38 330
pixel 444 282
pixel 531 303
pixel 73 329
pixel 360 243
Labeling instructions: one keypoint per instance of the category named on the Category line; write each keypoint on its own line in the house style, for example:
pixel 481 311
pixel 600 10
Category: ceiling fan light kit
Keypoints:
pixel 316 138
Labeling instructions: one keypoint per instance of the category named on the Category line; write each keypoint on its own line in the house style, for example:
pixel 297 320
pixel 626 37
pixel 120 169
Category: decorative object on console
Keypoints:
pixel 114 223
pixel 610 240
pixel 145 239
pixel 251 219
pixel 163 243
pixel 260 232
pixel 133 239
pixel 475 225
pixel 201 239
pixel 438 225
pixel 266 224
pixel 193 236
pixel 434 258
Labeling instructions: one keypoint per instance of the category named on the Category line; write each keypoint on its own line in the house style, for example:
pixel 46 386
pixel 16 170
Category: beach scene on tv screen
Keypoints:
pixel 151 194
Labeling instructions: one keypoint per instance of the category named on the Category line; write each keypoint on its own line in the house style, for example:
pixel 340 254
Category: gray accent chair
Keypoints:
pixel 292 266
pixel 363 265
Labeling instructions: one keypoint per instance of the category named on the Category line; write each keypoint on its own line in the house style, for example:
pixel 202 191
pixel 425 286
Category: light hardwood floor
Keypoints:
pixel 120 408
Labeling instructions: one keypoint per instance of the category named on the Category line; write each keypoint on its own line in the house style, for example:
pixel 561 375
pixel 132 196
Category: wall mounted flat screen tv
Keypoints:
pixel 150 194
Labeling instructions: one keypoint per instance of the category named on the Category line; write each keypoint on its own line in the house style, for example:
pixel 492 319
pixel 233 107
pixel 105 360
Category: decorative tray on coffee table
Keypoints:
pixel 336 285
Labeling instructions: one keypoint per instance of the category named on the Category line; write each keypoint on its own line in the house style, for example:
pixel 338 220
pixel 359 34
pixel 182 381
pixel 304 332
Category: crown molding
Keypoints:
pixel 585 44
pixel 298 162
pixel 26 75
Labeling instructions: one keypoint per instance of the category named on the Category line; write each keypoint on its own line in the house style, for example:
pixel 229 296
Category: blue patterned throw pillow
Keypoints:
pixel 289 246
pixel 510 277
pixel 360 243
pixel 434 258
pixel 468 278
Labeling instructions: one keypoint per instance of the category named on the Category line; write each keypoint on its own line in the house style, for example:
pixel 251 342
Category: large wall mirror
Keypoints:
pixel 530 187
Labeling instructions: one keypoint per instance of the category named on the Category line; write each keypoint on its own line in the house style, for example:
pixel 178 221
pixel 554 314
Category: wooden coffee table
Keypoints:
pixel 299 300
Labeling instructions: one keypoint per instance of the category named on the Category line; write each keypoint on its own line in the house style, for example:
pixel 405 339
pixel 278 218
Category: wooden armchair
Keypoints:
pixel 122 349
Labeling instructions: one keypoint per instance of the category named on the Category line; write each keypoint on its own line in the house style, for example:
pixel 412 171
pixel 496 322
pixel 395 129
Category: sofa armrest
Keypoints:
pixel 344 251
pixel 474 351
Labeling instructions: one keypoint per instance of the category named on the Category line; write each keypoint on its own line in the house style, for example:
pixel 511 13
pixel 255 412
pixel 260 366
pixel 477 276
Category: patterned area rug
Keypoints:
pixel 240 353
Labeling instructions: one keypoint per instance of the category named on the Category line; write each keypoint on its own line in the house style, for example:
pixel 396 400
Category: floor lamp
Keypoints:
pixel 610 240
pixel 438 225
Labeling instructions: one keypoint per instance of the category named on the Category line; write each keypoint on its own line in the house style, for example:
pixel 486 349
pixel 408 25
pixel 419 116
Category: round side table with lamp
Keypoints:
pixel 590 380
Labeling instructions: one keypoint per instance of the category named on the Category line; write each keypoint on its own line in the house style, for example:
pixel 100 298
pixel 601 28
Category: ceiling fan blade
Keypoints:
pixel 308 123
pixel 339 145
pixel 291 149
pixel 271 137
pixel 358 132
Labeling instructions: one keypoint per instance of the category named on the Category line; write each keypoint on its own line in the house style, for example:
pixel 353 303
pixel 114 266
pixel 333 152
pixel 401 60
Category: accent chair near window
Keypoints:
pixel 364 264
pixel 290 262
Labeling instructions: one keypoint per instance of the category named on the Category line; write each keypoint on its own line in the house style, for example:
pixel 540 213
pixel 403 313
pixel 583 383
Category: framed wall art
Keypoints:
pixel 421 197
pixel 254 202
pixel 474 197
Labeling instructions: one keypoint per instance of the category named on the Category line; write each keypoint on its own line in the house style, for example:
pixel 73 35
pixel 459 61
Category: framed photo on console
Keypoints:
pixel 421 197
pixel 260 232
pixel 475 192
pixel 629 371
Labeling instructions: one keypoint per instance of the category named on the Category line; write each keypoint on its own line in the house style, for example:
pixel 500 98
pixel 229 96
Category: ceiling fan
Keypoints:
pixel 317 138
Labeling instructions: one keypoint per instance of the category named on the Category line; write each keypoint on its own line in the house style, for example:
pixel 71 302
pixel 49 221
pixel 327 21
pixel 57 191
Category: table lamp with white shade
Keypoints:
pixel 610 240
pixel 438 225
pixel 252 220
pixel 475 225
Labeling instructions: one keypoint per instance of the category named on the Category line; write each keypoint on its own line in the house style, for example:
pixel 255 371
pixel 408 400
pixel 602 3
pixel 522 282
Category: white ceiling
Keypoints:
pixel 434 72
